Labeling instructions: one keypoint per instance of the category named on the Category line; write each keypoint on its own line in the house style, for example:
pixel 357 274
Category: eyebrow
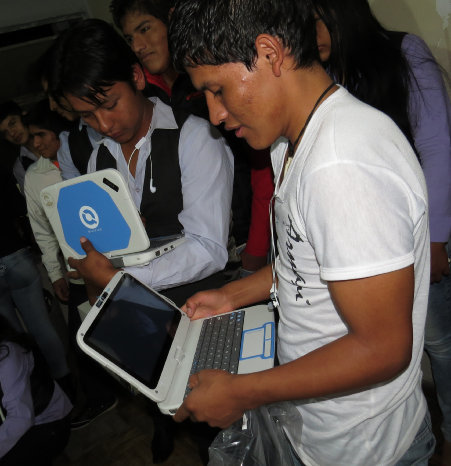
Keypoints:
pixel 140 25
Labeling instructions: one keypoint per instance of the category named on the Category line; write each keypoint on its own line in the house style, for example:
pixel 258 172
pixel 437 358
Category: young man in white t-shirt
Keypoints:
pixel 350 213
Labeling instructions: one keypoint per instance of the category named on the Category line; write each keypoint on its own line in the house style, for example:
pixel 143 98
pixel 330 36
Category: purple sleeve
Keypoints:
pixel 15 370
pixel 430 119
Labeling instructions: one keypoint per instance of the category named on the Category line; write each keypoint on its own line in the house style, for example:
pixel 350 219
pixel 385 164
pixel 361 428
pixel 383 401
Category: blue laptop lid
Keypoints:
pixel 85 209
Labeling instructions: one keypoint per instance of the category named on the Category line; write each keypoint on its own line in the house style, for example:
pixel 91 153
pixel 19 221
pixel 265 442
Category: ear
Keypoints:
pixel 271 51
pixel 170 13
pixel 138 77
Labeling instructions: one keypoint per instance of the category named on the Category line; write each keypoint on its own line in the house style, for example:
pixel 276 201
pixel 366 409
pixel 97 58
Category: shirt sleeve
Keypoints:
pixel 67 167
pixel 42 230
pixel 206 165
pixel 355 231
pixel 430 120
pixel 15 370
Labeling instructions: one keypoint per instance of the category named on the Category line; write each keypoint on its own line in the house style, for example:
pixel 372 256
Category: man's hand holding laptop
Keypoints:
pixel 95 269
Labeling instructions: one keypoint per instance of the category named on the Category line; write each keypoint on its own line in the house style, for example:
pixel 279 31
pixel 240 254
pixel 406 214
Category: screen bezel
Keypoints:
pixel 156 393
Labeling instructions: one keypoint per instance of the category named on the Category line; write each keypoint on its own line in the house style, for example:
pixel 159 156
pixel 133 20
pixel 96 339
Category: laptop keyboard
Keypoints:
pixel 219 344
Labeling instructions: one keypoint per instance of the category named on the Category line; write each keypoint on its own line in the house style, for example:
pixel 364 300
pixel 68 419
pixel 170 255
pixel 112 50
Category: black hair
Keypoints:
pixel 216 32
pixel 9 108
pixel 158 8
pixel 42 116
pixel 89 58
pixel 8 334
pixel 367 59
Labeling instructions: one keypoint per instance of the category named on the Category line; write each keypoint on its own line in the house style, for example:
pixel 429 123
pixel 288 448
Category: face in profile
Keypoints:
pixel 121 114
pixel 147 37
pixel 13 130
pixel 244 101
pixel 45 142
pixel 323 39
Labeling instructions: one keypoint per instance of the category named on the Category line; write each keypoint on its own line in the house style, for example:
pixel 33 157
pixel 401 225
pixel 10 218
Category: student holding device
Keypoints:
pixel 178 168
pixel 350 209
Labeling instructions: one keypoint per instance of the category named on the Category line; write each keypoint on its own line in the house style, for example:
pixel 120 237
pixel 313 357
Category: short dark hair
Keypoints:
pixel 42 116
pixel 158 8
pixel 88 58
pixel 9 108
pixel 216 32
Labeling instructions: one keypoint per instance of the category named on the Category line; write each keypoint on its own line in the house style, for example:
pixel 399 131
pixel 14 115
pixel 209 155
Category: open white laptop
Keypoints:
pixel 151 344
pixel 99 206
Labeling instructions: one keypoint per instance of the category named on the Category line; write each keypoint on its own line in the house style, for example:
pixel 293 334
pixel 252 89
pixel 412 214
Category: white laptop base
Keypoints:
pixel 151 344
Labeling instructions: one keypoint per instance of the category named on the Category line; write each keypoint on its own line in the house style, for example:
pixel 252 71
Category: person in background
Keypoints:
pixel 351 276
pixel 396 73
pixel 13 130
pixel 144 25
pixel 21 287
pixel 78 140
pixel 36 425
pixel 46 126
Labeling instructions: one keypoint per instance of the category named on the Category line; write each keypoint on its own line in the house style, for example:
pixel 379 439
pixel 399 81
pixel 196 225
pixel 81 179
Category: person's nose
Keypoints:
pixel 37 142
pixel 104 121
pixel 137 44
pixel 216 109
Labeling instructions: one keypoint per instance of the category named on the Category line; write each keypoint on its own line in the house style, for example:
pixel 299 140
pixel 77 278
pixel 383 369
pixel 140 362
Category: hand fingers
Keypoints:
pixel 86 245
pixel 193 381
pixel 74 265
pixel 181 414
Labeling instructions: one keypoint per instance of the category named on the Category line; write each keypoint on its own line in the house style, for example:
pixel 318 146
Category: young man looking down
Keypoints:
pixel 351 218
pixel 178 168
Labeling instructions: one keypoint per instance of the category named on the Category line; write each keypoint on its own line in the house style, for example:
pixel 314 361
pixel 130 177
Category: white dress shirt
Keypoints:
pixel 206 165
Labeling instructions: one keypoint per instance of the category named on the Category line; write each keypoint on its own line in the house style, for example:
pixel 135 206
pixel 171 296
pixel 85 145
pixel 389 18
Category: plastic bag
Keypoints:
pixel 260 438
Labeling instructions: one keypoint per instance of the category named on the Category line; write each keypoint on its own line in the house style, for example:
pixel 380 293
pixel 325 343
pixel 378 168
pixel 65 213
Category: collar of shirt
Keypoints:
pixel 162 118
pixel 43 165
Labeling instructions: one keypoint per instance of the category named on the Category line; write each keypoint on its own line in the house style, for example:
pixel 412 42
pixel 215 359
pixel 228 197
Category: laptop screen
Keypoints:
pixel 134 330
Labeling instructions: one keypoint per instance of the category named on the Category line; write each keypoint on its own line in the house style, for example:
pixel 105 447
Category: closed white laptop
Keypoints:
pixel 99 206
pixel 151 344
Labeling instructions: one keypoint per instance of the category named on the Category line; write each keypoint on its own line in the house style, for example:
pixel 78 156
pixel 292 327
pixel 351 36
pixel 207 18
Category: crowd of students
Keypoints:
pixel 186 106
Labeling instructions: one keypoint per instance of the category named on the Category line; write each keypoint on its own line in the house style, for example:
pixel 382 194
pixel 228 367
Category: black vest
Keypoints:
pixel 80 147
pixel 41 382
pixel 160 209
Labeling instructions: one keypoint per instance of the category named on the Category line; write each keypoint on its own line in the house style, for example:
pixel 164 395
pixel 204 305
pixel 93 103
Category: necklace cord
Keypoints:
pixel 292 147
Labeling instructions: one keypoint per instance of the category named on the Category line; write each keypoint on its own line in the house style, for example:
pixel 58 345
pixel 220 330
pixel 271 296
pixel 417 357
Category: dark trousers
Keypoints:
pixel 94 381
pixel 39 445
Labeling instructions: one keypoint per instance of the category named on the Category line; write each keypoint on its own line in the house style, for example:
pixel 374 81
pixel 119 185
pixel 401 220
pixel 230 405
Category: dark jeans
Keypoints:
pixel 94 381
pixel 39 445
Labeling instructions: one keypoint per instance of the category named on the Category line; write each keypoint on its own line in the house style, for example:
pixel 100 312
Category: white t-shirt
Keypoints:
pixel 352 204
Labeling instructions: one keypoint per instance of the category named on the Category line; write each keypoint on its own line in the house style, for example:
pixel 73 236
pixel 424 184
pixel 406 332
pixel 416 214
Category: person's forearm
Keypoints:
pixel 345 365
pixel 250 290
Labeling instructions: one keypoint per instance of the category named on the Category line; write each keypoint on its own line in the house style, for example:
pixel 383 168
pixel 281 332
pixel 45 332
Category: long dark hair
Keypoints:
pixel 367 59
pixel 8 334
